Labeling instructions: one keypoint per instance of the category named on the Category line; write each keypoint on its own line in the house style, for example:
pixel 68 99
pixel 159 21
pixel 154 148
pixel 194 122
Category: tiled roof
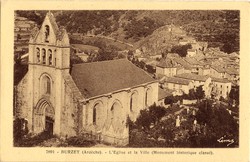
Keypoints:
pixel 166 63
pixel 163 93
pixel 193 61
pixel 177 80
pixel 232 71
pixel 191 76
pixel 98 78
pixel 218 68
pixel 183 63
pixel 220 80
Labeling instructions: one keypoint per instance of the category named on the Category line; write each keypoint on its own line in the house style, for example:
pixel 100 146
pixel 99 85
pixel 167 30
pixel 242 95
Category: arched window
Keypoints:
pixel 97 114
pixel 148 97
pixel 46 85
pixel 133 101
pixel 47 31
pixel 48 90
pixel 131 104
pixel 43 56
pixel 94 116
pixel 117 115
pixel 55 57
pixel 38 55
pixel 50 56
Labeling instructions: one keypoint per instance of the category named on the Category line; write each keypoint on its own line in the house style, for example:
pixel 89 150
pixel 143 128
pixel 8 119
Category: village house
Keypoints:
pixel 94 98
pixel 232 74
pixel 198 80
pixel 217 71
pixel 220 87
pixel 179 85
pixel 197 66
pixel 166 67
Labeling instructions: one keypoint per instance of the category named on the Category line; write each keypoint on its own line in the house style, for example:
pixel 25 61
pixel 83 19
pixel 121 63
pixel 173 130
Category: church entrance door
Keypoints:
pixel 44 117
pixel 49 124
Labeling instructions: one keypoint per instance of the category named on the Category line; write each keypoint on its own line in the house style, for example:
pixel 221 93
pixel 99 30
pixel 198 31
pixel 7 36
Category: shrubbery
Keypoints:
pixel 30 141
pixel 213 123
pixel 79 141
pixel 20 129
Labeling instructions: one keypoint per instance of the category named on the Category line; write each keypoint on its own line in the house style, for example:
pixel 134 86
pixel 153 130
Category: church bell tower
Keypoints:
pixel 49 60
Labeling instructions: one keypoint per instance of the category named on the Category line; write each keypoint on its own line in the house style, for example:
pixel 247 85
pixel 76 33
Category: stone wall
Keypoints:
pixel 23 108
pixel 110 131
pixel 69 115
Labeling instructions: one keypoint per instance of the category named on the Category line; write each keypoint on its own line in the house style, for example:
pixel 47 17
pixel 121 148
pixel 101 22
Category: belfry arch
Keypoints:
pixel 44 117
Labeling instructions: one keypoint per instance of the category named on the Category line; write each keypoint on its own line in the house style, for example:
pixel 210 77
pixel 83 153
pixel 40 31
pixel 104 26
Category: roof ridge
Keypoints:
pixel 95 62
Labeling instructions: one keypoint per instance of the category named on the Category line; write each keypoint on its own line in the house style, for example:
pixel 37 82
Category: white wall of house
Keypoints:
pixel 169 72
pixel 223 89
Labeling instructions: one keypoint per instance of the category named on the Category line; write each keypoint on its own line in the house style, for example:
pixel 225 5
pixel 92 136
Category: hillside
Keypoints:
pixel 218 27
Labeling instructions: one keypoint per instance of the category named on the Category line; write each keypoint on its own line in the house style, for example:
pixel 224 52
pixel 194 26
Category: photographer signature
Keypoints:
pixel 223 140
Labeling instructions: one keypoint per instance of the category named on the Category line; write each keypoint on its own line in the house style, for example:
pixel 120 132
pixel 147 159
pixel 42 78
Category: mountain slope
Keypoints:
pixel 218 27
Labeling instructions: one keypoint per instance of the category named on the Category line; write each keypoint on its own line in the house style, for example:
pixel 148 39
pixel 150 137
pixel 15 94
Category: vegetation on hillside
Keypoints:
pixel 218 27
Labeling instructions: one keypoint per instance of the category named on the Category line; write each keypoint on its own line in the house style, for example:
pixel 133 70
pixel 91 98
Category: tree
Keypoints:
pixel 130 55
pixel 181 49
pixel 157 112
pixel 168 100
pixel 234 94
pixel 191 94
pixel 144 120
pixel 20 129
pixel 218 123
pixel 20 69
pixel 199 93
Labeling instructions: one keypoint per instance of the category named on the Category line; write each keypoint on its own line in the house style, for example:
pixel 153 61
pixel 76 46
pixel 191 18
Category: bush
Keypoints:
pixel 78 141
pixel 20 129
pixel 33 141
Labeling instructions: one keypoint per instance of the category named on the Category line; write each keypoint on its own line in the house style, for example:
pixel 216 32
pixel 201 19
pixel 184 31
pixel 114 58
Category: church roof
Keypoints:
pixel 98 78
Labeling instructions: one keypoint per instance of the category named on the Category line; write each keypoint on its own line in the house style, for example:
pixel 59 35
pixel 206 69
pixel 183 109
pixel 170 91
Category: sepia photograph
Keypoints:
pixel 124 81
pixel 126 78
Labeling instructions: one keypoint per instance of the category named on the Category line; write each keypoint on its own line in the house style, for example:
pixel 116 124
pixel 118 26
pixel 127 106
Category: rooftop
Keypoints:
pixel 163 93
pixel 220 80
pixel 166 63
pixel 218 68
pixel 232 71
pixel 177 80
pixel 191 76
pixel 98 78
pixel 193 61
pixel 182 63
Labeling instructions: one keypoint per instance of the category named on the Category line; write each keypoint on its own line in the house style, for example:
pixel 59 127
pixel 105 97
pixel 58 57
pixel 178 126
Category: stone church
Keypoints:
pixel 91 98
